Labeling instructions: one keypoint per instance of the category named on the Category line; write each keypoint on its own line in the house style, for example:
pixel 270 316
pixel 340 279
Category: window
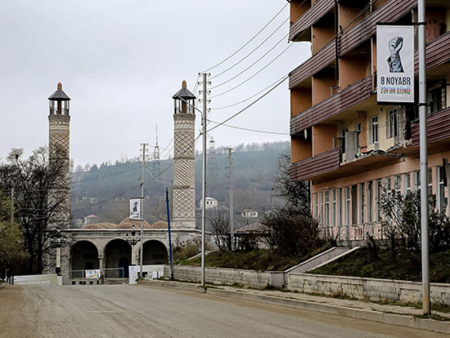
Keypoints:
pixel 437 97
pixel 343 133
pixel 407 186
pixel 387 183
pixel 379 194
pixel 333 208
pixel 398 184
pixel 373 132
pixel 347 205
pixel 369 201
pixel 393 123
pixel 316 206
pixel 327 209
pixel 417 180
pixel 339 207
pixel 320 208
pixel 361 203
pixel 430 182
pixel 441 183
pixel 354 204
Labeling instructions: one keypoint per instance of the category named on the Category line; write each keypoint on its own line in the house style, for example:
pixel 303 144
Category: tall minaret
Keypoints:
pixel 59 148
pixel 184 160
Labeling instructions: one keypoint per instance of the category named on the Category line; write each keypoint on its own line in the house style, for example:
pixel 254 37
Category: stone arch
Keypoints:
pixel 117 254
pixel 155 252
pixel 84 256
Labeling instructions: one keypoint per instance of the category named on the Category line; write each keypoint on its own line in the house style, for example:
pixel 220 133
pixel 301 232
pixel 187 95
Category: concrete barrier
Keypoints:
pixel 36 279
pixel 367 288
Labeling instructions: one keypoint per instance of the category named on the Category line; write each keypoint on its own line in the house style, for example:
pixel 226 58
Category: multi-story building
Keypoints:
pixel 343 142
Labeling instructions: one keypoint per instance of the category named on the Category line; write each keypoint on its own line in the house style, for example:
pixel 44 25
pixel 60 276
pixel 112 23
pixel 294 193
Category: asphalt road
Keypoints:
pixel 143 311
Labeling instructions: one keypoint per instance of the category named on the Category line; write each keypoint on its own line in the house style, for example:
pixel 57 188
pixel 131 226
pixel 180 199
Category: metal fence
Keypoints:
pixel 114 273
pixel 108 273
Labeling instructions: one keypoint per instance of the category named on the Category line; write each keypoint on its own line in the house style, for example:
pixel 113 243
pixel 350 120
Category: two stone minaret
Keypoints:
pixel 59 155
pixel 184 159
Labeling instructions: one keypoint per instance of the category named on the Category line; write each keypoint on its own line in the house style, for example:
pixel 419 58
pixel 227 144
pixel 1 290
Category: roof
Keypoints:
pixel 184 93
pixel 252 227
pixel 59 94
pixel 159 225
pixel 127 224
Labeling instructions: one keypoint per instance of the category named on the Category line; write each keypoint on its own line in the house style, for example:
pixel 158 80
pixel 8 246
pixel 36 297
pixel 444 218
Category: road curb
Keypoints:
pixel 377 316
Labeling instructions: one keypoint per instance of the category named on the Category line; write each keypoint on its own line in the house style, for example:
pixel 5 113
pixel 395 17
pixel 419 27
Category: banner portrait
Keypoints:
pixel 395 64
pixel 136 209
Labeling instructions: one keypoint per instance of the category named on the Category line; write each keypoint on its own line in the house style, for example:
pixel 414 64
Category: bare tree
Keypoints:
pixel 221 232
pixel 39 200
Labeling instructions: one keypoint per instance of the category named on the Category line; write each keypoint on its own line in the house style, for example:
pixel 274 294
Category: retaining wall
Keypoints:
pixel 221 276
pixel 367 288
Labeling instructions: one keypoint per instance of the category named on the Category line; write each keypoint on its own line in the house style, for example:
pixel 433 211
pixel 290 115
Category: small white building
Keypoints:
pixel 211 203
pixel 248 213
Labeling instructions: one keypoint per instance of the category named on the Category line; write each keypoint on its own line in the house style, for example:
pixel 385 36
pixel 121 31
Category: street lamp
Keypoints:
pixel 57 241
pixel 133 240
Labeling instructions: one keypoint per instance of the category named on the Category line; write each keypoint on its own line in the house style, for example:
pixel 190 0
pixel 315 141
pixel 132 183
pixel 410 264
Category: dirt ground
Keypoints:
pixel 142 311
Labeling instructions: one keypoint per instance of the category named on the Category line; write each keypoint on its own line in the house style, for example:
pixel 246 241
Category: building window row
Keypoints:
pixel 360 204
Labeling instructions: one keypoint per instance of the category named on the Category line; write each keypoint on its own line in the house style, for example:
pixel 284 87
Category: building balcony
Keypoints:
pixel 329 166
pixel 366 28
pixel 358 34
pixel 313 65
pixel 438 128
pixel 311 16
pixel 347 98
pixel 318 165
pixel 438 53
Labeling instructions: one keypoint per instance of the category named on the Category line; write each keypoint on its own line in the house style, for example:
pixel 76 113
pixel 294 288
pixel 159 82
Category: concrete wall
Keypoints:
pixel 367 288
pixel 256 279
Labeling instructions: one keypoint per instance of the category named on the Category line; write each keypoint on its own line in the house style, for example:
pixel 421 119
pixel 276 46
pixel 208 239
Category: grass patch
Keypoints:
pixel 404 266
pixel 256 259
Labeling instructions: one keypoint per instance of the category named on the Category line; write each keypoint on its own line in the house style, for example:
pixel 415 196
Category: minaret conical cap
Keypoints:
pixel 59 94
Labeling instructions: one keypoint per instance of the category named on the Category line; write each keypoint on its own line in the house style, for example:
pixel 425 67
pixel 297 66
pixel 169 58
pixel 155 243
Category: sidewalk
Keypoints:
pixel 389 314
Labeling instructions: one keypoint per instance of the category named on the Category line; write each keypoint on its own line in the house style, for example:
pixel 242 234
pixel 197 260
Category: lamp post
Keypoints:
pixel 57 241
pixel 133 240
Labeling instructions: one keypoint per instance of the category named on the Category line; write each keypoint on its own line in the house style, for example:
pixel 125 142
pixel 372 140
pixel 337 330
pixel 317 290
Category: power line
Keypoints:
pixel 254 63
pixel 249 129
pixel 250 97
pixel 246 44
pixel 254 50
pixel 251 77
pixel 251 104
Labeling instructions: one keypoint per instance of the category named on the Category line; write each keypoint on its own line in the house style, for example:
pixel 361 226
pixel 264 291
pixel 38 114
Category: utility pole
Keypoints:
pixel 141 256
pixel 204 115
pixel 231 191
pixel 423 160
pixel 170 236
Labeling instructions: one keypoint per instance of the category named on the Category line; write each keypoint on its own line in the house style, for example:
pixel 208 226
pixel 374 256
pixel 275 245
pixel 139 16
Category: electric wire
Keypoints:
pixel 252 130
pixel 251 77
pixel 250 97
pixel 246 44
pixel 253 64
pixel 254 50
pixel 251 104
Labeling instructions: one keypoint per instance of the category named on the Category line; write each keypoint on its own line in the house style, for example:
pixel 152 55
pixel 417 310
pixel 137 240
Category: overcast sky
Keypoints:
pixel 122 61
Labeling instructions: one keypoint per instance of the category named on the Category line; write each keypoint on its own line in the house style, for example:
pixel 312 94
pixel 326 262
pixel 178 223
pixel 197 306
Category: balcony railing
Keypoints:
pixel 318 165
pixel 438 127
pixel 363 30
pixel 314 64
pixel 349 97
pixel 310 17
pixel 438 52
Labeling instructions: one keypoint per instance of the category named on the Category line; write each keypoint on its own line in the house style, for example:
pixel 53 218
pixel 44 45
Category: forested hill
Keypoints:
pixel 103 190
